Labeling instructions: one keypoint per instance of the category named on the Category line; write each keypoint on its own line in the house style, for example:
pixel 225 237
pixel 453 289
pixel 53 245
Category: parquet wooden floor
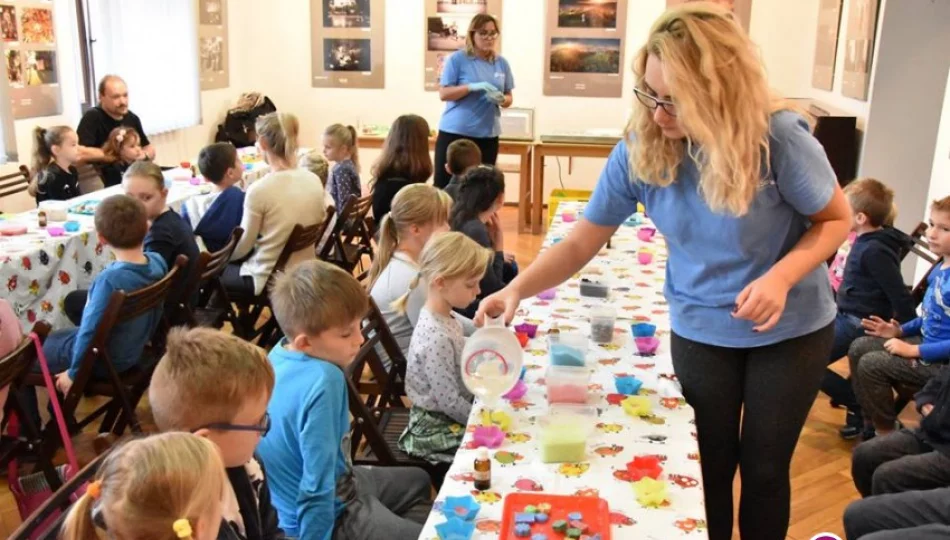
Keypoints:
pixel 821 468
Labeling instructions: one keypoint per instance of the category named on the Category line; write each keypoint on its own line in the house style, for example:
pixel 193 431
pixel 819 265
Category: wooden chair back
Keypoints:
pixel 13 183
pixel 39 524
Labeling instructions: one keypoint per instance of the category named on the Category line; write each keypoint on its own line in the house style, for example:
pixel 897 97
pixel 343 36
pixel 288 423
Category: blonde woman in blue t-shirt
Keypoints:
pixel 751 210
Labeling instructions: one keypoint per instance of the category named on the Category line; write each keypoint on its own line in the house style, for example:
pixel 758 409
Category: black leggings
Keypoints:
pixel 488 146
pixel 776 386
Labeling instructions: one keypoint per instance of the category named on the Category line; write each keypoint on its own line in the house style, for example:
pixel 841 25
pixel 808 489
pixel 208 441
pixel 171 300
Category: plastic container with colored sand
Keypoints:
pixel 567 384
pixel 564 433
pixel 602 319
pixel 570 350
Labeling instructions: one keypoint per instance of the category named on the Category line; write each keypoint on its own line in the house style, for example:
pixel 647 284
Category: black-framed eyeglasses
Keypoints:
pixel 652 102
pixel 487 34
pixel 263 427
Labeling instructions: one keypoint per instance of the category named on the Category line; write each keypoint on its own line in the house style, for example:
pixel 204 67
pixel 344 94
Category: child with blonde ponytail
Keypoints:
pixel 450 267
pixel 340 147
pixel 288 196
pixel 418 211
pixel 162 487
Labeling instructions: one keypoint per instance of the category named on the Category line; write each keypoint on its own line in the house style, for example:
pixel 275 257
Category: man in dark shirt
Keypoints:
pixel 112 112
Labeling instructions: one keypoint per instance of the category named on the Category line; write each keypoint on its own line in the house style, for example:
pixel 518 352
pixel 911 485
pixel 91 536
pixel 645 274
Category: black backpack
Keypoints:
pixel 238 126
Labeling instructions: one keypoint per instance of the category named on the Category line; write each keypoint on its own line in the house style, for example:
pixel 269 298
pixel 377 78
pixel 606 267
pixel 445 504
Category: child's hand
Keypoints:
pixel 762 301
pixel 925 410
pixel 494 232
pixel 63 382
pixel 878 327
pixel 901 348
pixel 509 257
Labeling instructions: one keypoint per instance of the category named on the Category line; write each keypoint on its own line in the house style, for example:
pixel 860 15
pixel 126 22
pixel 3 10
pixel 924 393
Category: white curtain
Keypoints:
pixel 8 151
pixel 153 45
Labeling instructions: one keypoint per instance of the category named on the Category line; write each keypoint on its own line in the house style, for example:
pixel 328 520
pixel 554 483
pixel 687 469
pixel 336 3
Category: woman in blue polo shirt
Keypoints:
pixel 750 209
pixel 476 82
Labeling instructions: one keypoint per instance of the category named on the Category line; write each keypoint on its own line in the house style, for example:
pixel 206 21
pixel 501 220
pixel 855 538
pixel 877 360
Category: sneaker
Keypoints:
pixel 850 433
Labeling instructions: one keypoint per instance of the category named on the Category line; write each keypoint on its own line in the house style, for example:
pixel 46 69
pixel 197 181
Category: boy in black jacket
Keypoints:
pixel 910 460
pixel 872 285
pixel 217 385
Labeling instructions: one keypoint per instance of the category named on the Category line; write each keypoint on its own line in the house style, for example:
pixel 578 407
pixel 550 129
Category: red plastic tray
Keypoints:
pixel 595 510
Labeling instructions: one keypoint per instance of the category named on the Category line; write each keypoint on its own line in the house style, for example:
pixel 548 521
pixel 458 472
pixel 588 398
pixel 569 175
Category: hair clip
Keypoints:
pixel 182 528
pixel 120 136
pixel 94 489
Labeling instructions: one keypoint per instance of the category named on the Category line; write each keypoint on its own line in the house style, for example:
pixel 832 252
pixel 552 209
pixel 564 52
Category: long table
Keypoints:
pixel 37 270
pixel 636 293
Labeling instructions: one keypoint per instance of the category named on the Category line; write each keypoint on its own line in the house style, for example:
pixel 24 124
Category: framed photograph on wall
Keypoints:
pixel 742 8
pixel 585 48
pixel 826 44
pixel 859 48
pixel 446 26
pixel 347 43
pixel 30 57
pixel 213 44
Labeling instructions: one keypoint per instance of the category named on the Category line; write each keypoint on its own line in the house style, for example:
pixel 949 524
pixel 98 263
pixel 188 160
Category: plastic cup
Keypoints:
pixel 644 257
pixel 602 319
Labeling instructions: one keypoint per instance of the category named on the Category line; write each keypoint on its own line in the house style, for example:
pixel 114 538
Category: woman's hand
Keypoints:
pixel 763 301
pixel 504 302
pixel 901 348
pixel 878 327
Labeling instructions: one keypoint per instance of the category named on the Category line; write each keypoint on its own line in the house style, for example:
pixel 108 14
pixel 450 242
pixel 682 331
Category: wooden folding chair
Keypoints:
pixel 14 368
pixel 13 183
pixel 351 238
pixel 376 330
pixel 206 281
pixel 380 420
pixel 124 389
pixel 45 523
pixel 250 309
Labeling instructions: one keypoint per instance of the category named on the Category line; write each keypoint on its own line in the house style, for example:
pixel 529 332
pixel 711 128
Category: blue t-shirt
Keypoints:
pixel 307 451
pixel 473 115
pixel 128 337
pixel 713 256
pixel 934 323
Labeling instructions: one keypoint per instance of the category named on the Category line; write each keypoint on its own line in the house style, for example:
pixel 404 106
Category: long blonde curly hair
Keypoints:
pixel 723 103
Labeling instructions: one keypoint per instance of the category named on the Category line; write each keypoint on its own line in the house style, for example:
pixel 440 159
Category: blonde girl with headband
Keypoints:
pixel 750 209
pixel 450 268
pixel 340 146
pixel 163 487
pixel 418 212
pixel 274 205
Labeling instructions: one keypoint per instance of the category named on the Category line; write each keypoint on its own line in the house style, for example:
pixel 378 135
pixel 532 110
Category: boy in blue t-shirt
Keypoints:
pixel 885 362
pixel 316 490
pixel 122 224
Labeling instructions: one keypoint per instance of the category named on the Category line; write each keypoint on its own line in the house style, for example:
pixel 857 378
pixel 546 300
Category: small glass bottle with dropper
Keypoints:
pixel 482 470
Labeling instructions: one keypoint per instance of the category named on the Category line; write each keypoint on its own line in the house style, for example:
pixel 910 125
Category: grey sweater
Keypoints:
pixel 434 376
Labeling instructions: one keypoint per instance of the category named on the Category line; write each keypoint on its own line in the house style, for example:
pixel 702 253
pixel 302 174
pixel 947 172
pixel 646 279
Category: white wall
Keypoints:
pixel 171 148
pixel 940 173
pixel 271 47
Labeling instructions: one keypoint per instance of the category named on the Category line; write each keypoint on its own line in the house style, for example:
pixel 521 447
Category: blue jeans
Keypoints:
pixel 847 329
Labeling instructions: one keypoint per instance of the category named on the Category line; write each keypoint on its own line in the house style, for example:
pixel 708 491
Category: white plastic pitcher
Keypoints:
pixel 491 361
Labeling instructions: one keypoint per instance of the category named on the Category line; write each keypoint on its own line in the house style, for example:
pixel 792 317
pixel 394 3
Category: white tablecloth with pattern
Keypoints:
pixel 637 295
pixel 37 270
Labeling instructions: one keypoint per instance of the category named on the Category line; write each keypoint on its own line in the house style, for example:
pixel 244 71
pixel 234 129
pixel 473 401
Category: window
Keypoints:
pixel 153 46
